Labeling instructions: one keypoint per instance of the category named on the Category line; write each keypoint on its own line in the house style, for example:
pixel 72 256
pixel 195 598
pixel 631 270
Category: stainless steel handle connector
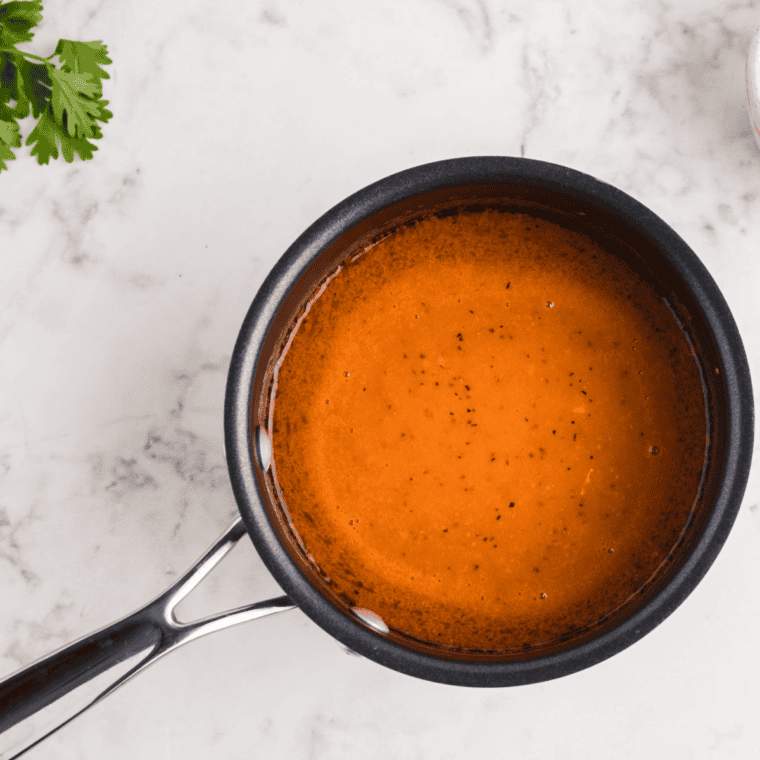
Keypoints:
pixel 152 631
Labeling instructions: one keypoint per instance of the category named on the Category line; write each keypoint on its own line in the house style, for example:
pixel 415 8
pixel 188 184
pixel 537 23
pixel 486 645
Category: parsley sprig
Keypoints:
pixel 66 101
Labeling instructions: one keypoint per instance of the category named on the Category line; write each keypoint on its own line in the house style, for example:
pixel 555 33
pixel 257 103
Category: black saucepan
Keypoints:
pixel 571 198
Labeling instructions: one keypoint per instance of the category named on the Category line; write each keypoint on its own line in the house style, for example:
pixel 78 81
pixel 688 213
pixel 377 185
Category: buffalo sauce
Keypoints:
pixel 488 430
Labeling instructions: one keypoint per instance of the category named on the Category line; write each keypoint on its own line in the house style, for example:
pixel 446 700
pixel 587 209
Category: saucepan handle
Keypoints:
pixel 82 673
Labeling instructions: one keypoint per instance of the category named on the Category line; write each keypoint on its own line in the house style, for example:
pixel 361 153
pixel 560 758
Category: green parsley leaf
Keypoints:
pixel 9 132
pixel 48 135
pixel 16 19
pixel 66 101
pixel 72 104
pixel 7 78
pixel 79 145
pixel 27 83
pixel 6 154
pixel 35 87
pixel 9 138
pixel 83 57
pixel 43 139
pixel 104 115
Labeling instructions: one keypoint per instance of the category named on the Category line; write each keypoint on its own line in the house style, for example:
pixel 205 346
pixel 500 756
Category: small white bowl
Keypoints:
pixel 753 85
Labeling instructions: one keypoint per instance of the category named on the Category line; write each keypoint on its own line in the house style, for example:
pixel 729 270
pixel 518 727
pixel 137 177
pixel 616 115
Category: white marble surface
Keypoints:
pixel 125 279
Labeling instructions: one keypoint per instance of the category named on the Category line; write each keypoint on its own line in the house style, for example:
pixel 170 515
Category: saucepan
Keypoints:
pixel 108 658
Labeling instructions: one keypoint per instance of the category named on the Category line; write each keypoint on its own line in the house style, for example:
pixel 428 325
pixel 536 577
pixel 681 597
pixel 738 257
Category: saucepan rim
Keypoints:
pixel 247 356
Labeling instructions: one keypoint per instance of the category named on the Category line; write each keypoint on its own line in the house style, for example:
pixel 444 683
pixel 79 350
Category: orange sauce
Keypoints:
pixel 488 430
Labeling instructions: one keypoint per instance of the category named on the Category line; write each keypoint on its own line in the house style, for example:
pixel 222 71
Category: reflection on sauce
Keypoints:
pixel 488 431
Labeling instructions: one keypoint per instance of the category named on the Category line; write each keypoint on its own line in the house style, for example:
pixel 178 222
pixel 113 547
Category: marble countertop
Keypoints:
pixel 125 280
